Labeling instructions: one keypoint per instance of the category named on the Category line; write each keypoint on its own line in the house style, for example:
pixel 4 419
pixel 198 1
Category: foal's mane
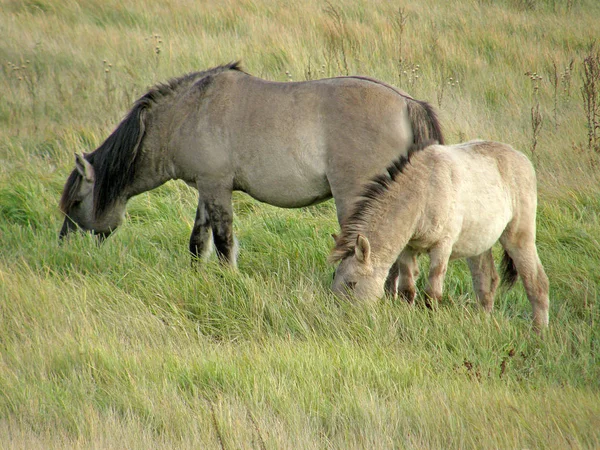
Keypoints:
pixel 115 162
pixel 371 195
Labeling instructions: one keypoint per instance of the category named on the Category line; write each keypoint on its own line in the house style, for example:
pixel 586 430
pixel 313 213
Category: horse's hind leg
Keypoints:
pixel 485 278
pixel 220 211
pixel 200 240
pixel 520 247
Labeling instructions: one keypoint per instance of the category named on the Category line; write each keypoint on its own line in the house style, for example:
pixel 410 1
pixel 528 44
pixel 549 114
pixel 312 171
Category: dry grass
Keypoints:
pixel 123 346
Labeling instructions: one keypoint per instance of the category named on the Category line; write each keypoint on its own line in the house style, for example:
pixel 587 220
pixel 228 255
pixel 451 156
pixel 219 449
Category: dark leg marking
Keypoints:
pixel 200 238
pixel 222 227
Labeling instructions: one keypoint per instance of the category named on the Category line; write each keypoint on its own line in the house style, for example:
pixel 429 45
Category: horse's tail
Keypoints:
pixel 509 271
pixel 425 125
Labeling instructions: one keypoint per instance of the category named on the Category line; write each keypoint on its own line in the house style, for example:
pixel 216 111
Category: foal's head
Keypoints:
pixel 356 275
pixel 77 204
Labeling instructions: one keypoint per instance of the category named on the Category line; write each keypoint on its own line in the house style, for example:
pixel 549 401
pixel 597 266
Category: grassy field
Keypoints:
pixel 125 346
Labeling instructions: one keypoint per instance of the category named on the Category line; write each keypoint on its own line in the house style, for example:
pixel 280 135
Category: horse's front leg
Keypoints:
pixel 200 240
pixel 408 270
pixel 391 282
pixel 402 276
pixel 220 212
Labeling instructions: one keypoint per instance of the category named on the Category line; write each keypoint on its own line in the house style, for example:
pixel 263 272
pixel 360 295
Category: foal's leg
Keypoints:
pixel 438 266
pixel 485 278
pixel 200 240
pixel 402 276
pixel 391 282
pixel 408 273
pixel 520 246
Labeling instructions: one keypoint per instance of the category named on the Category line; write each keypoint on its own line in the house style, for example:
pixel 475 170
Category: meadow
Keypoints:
pixel 124 345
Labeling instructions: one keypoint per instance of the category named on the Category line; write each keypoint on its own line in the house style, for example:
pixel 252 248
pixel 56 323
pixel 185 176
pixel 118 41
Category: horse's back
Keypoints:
pixel 298 142
pixel 518 175
pixel 489 183
pixel 497 160
pixel 508 158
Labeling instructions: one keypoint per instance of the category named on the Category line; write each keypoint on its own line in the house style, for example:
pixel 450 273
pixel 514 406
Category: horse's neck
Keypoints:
pixel 393 223
pixel 151 173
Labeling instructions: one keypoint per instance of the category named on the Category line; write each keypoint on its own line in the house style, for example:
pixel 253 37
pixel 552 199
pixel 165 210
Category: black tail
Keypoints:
pixel 424 123
pixel 509 271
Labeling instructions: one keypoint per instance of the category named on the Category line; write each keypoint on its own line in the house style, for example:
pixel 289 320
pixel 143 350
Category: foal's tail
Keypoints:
pixel 509 271
pixel 424 123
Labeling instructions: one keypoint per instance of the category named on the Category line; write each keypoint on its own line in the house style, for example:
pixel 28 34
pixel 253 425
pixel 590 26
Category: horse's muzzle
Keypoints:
pixel 68 227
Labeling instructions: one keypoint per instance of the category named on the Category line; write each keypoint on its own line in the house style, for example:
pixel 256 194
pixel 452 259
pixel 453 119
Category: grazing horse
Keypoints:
pixel 285 144
pixel 451 202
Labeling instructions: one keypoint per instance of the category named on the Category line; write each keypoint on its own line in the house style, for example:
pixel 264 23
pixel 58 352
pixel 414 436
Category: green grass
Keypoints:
pixel 125 345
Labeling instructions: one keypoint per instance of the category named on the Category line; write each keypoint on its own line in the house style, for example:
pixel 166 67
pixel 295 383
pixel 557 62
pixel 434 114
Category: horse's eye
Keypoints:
pixel 351 285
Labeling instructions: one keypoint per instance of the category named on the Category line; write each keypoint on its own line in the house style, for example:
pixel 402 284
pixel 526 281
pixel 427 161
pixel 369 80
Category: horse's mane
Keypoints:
pixel 363 210
pixel 115 160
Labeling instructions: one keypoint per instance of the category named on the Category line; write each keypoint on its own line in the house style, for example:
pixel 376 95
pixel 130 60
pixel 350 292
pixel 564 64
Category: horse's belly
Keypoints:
pixel 477 236
pixel 287 189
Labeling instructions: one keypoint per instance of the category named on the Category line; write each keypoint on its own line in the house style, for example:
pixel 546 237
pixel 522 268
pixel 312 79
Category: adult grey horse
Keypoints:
pixel 286 144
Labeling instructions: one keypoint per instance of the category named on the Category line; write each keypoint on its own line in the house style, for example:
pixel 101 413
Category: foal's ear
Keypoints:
pixel 362 250
pixel 335 237
pixel 84 168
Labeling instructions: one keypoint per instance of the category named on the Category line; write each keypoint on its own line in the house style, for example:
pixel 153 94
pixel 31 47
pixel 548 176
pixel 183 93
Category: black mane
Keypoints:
pixel 115 160
pixel 372 192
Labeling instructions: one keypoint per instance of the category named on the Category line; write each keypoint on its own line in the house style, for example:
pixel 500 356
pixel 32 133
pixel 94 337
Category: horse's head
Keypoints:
pixel 77 204
pixel 357 276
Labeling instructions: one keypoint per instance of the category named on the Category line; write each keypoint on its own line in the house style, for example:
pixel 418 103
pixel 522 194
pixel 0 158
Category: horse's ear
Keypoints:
pixel 362 250
pixel 84 168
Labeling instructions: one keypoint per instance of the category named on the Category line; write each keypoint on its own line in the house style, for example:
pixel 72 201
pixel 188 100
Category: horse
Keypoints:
pixel 288 144
pixel 451 202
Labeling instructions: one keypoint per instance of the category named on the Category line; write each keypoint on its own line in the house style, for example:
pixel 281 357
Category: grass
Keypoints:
pixel 124 345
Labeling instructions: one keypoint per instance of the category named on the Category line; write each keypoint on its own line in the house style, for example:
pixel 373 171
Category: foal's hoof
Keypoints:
pixel 408 296
pixel 431 303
